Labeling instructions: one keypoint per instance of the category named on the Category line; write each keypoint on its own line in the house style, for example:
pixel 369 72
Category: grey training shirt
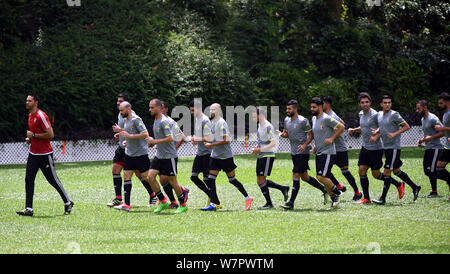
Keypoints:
pixel 297 129
pixel 390 122
pixel 265 136
pixel 135 147
pixel 367 122
pixel 202 128
pixel 219 130
pixel 323 128
pixel 340 143
pixel 428 125
pixel 161 130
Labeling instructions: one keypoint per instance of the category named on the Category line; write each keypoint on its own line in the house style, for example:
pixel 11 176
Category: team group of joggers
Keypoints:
pixel 380 132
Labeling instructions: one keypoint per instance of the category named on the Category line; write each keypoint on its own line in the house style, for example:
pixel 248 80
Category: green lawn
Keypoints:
pixel 401 226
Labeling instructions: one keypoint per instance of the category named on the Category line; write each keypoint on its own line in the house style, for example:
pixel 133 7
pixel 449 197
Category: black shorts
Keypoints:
pixel 392 159
pixel 201 165
pixel 166 167
pixel 141 163
pixel 226 165
pixel 430 160
pixel 119 156
pixel 342 158
pixel 371 158
pixel 300 162
pixel 445 156
pixel 324 164
pixel 264 166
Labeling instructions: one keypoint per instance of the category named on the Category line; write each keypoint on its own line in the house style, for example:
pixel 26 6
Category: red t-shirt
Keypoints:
pixel 38 123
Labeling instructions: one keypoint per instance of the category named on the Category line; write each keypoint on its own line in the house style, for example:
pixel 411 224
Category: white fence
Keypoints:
pixel 103 150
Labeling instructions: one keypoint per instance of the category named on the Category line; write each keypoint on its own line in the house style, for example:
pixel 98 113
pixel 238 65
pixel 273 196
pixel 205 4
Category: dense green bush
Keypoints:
pixel 236 52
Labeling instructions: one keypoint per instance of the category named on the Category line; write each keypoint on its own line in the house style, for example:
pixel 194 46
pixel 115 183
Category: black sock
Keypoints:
pixel 127 186
pixel 265 191
pixel 395 182
pixel 117 179
pixel 405 178
pixel 168 189
pixel 351 180
pixel 335 190
pixel 211 182
pixel 181 199
pixel 147 186
pixel 160 196
pixel 333 179
pixel 272 184
pixel 200 184
pixel 238 185
pixel 313 182
pixel 387 184
pixel 443 174
pixel 365 186
pixel 295 189
pixel 433 181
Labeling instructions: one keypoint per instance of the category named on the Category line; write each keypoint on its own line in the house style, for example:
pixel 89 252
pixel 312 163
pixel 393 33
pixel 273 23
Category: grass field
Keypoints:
pixel 401 226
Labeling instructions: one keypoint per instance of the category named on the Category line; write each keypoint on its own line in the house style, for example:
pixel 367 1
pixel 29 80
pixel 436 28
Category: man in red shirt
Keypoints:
pixel 41 156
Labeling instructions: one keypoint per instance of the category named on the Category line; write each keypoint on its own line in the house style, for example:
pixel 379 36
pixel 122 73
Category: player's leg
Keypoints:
pixel 230 170
pixel 342 162
pixel 168 189
pixel 211 182
pixel 30 175
pixel 142 174
pixel 397 163
pixel 48 169
pixel 200 165
pixel 324 164
pixel 441 172
pixel 118 162
pixel 429 167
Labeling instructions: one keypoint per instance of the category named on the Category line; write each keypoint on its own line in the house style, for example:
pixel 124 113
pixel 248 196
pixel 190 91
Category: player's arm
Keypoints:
pixel 224 141
pixel 48 134
pixel 142 135
pixel 441 128
pixel 354 130
pixel 338 129
pixel 404 127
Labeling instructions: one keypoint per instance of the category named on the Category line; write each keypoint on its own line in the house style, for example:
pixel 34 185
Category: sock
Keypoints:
pixel 365 186
pixel 405 178
pixel 199 183
pixel 351 180
pixel 313 182
pixel 161 197
pixel 117 179
pixel 335 190
pixel 272 184
pixel 433 181
pixel 387 184
pixel 238 185
pixel 181 199
pixel 265 191
pixel 443 174
pixel 295 189
pixel 333 179
pixel 211 182
pixel 147 186
pixel 395 182
pixel 127 186
pixel 168 189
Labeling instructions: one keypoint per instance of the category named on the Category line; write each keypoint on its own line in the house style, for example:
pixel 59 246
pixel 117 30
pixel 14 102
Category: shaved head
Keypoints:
pixel 215 110
pixel 125 104
pixel 125 109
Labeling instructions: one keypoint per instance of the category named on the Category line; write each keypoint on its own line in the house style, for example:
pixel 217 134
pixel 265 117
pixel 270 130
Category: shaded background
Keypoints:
pixel 236 52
